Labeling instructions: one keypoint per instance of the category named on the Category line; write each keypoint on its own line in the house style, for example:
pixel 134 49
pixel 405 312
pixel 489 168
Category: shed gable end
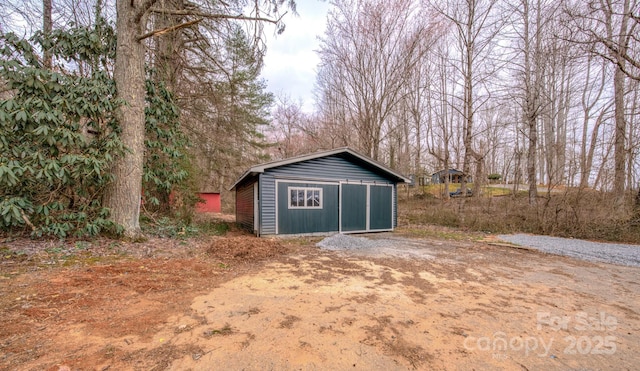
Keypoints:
pixel 331 168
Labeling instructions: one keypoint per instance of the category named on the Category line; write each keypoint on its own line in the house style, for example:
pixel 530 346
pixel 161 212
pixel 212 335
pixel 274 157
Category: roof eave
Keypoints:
pixel 245 175
pixel 262 167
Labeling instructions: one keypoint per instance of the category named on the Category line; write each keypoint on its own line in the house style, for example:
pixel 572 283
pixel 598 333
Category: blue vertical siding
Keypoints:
pixel 296 221
pixel 395 205
pixel 267 196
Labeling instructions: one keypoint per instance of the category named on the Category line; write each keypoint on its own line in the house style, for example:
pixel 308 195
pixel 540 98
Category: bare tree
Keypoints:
pixel 529 67
pixel 558 83
pixel 288 128
pixel 621 39
pixel 590 99
pixel 475 25
pixel 609 29
pixel 367 54
pixel 440 132
pixel 332 118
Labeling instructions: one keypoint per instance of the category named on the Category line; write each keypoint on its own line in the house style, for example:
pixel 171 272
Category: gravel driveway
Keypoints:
pixel 381 245
pixel 587 250
pixel 389 245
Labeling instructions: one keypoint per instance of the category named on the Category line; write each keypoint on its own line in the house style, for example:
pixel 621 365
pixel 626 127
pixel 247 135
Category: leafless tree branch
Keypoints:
pixel 168 29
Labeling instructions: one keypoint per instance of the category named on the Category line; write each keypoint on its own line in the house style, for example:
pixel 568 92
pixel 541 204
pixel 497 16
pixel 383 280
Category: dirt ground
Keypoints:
pixel 241 302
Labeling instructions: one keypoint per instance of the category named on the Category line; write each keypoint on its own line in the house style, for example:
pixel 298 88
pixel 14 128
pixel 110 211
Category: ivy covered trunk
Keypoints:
pixel 123 194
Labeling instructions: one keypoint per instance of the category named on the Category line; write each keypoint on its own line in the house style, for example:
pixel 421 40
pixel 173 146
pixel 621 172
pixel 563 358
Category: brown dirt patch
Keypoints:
pixel 242 249
pixel 53 296
pixel 241 302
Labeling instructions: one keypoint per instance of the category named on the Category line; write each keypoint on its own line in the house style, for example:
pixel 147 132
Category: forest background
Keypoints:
pixel 105 101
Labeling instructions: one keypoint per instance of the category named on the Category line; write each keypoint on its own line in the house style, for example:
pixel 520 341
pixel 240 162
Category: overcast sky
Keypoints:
pixel 291 60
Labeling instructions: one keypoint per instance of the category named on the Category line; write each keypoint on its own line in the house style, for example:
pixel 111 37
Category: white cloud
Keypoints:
pixel 291 60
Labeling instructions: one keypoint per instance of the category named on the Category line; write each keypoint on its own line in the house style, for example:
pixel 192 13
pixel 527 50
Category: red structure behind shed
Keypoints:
pixel 211 203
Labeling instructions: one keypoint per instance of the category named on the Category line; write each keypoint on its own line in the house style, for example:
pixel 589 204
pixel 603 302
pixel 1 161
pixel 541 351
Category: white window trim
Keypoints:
pixel 305 189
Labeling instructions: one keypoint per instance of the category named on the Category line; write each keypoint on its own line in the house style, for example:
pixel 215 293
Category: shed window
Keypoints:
pixel 305 198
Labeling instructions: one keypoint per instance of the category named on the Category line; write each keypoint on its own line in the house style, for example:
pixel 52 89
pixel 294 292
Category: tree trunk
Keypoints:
pixel 547 133
pixel 531 103
pixel 620 137
pixel 47 27
pixel 588 148
pixel 563 114
pixel 517 172
pixel 619 151
pixel 588 162
pixel 418 155
pixel 479 177
pixel 123 193
pixel 532 160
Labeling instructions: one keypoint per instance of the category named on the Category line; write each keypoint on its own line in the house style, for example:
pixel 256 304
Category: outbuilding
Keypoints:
pixel 455 176
pixel 210 202
pixel 338 190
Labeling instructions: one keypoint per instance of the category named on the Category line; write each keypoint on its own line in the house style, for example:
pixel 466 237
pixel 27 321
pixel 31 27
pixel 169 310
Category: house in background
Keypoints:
pixel 338 190
pixel 455 176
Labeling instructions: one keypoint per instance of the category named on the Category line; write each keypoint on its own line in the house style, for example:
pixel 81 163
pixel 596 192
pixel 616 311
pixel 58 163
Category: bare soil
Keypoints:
pixel 240 302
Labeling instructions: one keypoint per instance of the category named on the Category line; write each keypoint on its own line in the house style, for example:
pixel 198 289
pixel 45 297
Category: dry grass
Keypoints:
pixel 573 213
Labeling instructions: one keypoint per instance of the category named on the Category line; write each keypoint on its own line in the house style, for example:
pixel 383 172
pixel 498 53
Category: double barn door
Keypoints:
pixel 366 207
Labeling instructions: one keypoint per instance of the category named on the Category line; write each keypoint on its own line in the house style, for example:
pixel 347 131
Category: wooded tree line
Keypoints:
pixel 105 101
pixel 538 91
pixel 113 106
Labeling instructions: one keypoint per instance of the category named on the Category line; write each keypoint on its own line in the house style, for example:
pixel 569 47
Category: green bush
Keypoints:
pixel 168 174
pixel 58 134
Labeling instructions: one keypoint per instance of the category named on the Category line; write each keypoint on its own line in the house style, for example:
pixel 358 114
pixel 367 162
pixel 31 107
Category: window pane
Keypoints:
pixel 305 197
pixel 297 198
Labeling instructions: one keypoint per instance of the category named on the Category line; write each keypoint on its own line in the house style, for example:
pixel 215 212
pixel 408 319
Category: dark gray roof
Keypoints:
pixel 451 171
pixel 344 150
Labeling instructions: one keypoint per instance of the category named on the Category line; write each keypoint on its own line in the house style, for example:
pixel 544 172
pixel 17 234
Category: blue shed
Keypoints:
pixel 338 190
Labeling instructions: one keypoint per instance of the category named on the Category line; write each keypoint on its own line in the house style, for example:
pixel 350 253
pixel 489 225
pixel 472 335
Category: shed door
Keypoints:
pixel 380 211
pixel 366 207
pixel 353 207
